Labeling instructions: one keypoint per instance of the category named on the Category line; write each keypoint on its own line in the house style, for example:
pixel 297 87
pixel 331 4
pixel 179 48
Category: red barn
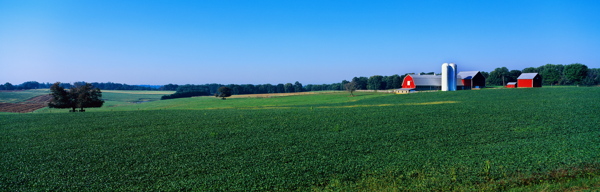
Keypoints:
pixel 422 82
pixel 529 80
pixel 470 79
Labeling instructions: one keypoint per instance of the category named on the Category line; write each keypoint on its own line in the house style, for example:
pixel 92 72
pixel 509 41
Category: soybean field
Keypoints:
pixel 540 139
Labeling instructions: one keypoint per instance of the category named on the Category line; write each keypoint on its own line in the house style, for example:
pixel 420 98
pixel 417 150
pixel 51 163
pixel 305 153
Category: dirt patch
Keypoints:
pixel 30 105
pixel 42 99
pixel 20 108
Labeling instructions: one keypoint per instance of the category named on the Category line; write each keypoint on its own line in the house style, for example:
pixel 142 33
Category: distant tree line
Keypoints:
pixel 103 86
pixel 552 74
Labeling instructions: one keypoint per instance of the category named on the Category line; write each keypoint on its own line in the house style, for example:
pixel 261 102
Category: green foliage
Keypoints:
pixel 350 87
pixel 223 92
pixel 500 76
pixel 79 96
pixel 188 91
pixel 486 140
pixel 551 74
pixel 575 73
pixel 375 82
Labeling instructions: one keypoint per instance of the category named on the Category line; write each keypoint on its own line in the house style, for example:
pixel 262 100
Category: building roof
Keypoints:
pixel 427 80
pixel 467 74
pixel 527 75
pixel 511 83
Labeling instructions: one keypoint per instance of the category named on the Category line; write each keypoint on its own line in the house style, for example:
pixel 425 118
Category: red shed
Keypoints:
pixel 511 85
pixel 529 80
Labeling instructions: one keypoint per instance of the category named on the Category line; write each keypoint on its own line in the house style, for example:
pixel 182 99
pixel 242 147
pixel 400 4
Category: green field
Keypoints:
pixel 482 140
pixel 20 96
pixel 124 100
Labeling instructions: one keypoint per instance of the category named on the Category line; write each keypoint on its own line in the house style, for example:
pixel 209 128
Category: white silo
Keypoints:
pixel 452 77
pixel 445 70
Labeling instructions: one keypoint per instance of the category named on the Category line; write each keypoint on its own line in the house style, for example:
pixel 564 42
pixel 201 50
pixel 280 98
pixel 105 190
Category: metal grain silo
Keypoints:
pixel 452 77
pixel 445 83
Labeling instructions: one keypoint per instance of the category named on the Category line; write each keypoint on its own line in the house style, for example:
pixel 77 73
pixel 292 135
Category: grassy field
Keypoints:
pixel 114 99
pixel 481 140
pixel 20 96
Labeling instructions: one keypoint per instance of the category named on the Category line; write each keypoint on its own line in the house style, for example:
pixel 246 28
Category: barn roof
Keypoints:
pixel 527 76
pixel 467 74
pixel 427 80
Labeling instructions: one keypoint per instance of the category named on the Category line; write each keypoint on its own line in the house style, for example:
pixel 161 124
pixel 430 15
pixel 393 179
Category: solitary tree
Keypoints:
pixel 81 96
pixel 223 92
pixel 350 87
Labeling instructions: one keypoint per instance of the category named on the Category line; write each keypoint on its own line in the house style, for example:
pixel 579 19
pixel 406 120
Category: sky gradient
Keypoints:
pixel 259 42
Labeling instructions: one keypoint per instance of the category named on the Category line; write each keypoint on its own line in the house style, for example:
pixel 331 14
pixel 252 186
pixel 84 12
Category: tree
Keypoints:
pixel 575 73
pixel 485 74
pixel 375 82
pixel 513 75
pixel 289 88
pixel 498 76
pixel 280 88
pixel 351 87
pixel 30 85
pixel 223 92
pixel 530 70
pixel 551 74
pixel 361 82
pixel 297 87
pixel 80 96
pixel 593 77
pixel 169 87
pixel 8 86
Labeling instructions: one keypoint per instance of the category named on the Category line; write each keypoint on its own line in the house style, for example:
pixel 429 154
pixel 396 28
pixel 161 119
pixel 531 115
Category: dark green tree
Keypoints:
pixel 592 78
pixel 288 87
pixel 485 74
pixel 30 85
pixel 498 76
pixel 297 87
pixel 223 92
pixel 80 96
pixel 513 75
pixel 361 82
pixel 551 74
pixel 375 82
pixel 575 73
pixel 530 70
pixel 9 86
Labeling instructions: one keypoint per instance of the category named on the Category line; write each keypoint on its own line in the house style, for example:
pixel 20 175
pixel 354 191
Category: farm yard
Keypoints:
pixel 537 139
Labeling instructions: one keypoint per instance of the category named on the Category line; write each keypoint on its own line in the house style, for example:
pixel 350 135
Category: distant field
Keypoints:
pixel 20 96
pixel 118 98
pixel 482 140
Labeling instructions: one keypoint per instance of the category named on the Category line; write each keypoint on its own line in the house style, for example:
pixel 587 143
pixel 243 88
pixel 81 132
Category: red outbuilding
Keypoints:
pixel 470 79
pixel 511 85
pixel 529 80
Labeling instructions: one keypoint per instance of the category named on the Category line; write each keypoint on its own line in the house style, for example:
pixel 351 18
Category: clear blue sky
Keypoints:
pixel 280 41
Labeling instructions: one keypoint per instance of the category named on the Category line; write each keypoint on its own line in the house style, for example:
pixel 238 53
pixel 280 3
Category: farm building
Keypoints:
pixel 422 82
pixel 511 85
pixel 529 80
pixel 470 79
pixel 465 80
